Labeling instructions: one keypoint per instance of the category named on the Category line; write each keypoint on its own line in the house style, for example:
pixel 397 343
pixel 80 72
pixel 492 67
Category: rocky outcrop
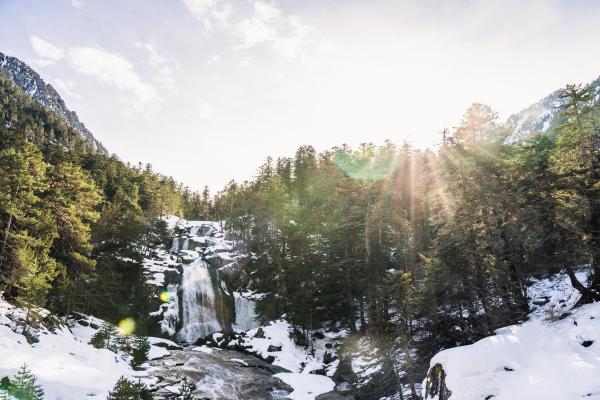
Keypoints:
pixel 218 375
pixel 435 384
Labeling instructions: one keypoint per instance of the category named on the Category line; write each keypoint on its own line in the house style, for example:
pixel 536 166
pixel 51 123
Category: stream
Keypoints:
pixel 201 304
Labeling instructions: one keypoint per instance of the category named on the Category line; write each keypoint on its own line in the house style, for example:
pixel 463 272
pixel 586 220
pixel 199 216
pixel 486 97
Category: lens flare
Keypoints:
pixel 127 326
pixel 165 297
pixel 366 165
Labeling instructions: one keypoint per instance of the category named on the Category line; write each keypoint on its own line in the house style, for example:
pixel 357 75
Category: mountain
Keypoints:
pixel 32 84
pixel 540 116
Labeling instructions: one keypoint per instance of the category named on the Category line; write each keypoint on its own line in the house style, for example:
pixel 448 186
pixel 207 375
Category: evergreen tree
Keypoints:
pixel 185 390
pixel 124 389
pixel 24 386
pixel 140 350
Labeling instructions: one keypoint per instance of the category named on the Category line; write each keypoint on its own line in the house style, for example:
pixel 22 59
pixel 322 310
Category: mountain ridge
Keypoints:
pixel 34 86
pixel 540 116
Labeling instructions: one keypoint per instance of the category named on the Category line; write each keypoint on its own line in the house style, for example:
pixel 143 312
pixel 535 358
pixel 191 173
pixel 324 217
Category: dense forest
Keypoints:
pixel 70 217
pixel 420 250
pixel 411 250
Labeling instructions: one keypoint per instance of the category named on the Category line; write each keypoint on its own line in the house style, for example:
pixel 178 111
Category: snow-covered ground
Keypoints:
pixel 67 367
pixel 273 340
pixel 553 356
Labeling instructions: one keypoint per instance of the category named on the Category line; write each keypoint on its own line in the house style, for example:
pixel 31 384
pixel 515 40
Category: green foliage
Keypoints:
pixel 23 386
pixel 124 389
pixel 105 337
pixel 399 244
pixel 108 337
pixel 186 390
pixel 69 216
pixel 139 351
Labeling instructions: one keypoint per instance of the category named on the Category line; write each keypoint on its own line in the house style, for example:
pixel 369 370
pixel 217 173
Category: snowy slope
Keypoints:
pixel 553 356
pixel 65 364
pixel 67 367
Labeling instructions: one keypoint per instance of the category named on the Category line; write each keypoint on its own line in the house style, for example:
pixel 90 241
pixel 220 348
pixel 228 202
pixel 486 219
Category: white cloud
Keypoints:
pixel 214 14
pixel 214 58
pixel 267 24
pixel 48 53
pixel 286 34
pixel 113 69
pixel 77 3
pixel 205 110
pixel 163 66
pixel 66 88
pixel 106 67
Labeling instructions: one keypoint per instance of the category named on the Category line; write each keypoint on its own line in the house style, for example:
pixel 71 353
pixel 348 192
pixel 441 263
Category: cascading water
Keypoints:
pixel 245 314
pixel 198 303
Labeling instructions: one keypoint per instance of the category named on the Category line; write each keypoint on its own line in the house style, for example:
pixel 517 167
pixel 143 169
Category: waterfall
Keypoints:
pixel 198 301
pixel 245 314
pixel 175 245
pixel 186 244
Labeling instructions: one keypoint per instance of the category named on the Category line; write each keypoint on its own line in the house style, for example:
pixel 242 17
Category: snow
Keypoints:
pixel 306 386
pixel 157 352
pixel 204 349
pixel 298 360
pixel 291 356
pixel 553 356
pixel 67 367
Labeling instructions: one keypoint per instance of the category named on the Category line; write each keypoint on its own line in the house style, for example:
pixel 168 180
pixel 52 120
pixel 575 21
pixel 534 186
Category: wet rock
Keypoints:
pixel 273 348
pixel 219 375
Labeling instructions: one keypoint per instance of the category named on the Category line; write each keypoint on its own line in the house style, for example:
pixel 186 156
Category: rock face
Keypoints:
pixel 435 386
pixel 32 84
pixel 218 374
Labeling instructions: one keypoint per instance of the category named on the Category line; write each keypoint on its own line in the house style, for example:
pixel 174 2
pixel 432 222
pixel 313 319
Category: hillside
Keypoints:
pixel 553 356
pixel 541 116
pixel 31 83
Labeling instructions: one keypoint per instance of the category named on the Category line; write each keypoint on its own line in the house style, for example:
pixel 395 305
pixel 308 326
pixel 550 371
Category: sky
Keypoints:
pixel 205 90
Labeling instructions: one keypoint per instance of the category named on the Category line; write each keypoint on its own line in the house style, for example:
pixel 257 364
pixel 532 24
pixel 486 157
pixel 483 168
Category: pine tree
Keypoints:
pixel 124 389
pixel 24 386
pixel 104 337
pixel 186 390
pixel 140 350
pixel 576 164
pixel 22 180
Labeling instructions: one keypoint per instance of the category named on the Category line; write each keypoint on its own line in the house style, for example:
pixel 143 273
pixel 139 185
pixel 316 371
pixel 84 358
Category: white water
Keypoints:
pixel 198 297
pixel 245 314
pixel 175 245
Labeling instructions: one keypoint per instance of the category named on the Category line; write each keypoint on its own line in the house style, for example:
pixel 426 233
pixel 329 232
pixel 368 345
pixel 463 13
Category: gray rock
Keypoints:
pixel 220 375
pixel 333 396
